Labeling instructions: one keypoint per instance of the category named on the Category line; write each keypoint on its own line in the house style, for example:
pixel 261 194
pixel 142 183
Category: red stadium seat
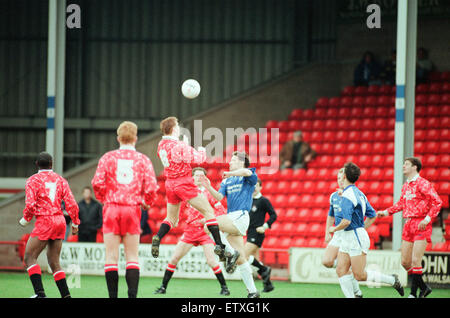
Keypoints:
pixel 291 214
pixel 305 201
pixel 371 101
pixel 422 89
pixel 322 102
pixel 445 134
pixel 358 101
pixel 361 91
pixel 293 200
pixel 374 233
pixel 283 125
pixel 357 112
pixel 420 111
pixel 435 88
pixel 286 174
pixel 296 114
pixel 445 99
pixel 299 242
pixel 421 99
pixel 444 174
pixel 440 247
pixel 272 124
pixel 319 215
pixel 385 230
pixel 373 90
pixel 301 229
pixel 444 160
pixel 348 91
pixel 444 147
pixel 345 101
pixel 314 242
pixel 334 102
pixel 433 99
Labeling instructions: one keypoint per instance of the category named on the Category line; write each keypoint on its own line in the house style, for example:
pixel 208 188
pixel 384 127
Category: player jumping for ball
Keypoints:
pixel 44 192
pixel 238 186
pixel 124 181
pixel 176 157
pixel 194 235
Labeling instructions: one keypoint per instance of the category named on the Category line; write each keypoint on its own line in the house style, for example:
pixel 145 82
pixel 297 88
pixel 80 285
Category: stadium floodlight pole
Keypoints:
pixel 56 82
pixel 404 101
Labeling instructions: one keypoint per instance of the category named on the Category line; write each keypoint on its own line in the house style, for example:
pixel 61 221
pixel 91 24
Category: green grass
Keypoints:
pixel 17 285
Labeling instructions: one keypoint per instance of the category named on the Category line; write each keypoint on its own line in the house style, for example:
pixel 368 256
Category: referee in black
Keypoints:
pixel 255 233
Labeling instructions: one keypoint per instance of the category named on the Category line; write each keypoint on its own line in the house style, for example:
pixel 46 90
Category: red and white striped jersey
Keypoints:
pixel 176 157
pixel 125 177
pixel 418 199
pixel 193 216
pixel 44 192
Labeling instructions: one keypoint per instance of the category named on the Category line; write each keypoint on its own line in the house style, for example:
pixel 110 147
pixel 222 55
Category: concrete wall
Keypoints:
pixel 272 100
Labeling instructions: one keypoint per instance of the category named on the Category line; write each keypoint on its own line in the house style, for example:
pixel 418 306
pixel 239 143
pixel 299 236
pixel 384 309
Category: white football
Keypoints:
pixel 190 88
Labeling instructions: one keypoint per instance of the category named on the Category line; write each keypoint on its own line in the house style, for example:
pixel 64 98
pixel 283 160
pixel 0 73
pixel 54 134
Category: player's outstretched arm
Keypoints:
pixel 243 172
pixel 30 203
pixel 207 184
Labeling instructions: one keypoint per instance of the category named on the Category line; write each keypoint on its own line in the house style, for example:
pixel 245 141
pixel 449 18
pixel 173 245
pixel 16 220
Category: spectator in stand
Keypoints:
pixel 145 227
pixel 389 69
pixel 367 72
pixel 296 153
pixel 90 217
pixel 424 65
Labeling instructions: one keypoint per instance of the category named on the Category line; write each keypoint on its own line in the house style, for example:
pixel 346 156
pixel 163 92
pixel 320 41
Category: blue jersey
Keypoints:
pixel 352 206
pixel 239 191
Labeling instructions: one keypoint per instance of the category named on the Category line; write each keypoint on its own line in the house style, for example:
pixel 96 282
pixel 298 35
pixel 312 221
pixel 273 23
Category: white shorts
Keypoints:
pixel 355 242
pixel 240 220
pixel 337 238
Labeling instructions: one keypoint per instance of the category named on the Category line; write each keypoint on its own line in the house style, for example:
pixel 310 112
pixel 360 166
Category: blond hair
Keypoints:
pixel 127 132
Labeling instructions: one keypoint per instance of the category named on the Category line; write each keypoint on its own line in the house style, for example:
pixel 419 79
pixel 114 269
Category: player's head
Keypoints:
pixel 351 172
pixel 197 173
pixel 87 193
pixel 239 160
pixel 340 178
pixel 127 133
pixel 44 160
pixel 170 127
pixel 258 187
pixel 412 165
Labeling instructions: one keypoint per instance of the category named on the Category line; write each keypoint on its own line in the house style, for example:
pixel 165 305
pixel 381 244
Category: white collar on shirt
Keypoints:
pixel 257 196
pixel 170 137
pixel 413 178
pixel 127 147
pixel 43 170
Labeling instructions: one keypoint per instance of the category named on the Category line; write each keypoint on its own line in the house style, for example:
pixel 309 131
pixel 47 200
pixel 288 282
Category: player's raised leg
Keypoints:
pixel 169 222
pixel 53 254
pixel 112 243
pixel 32 250
pixel 181 250
pixel 201 204
pixel 131 247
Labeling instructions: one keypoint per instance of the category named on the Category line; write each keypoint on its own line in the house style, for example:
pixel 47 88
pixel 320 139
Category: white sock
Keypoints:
pixel 228 247
pixel 377 277
pixel 347 285
pixel 247 277
pixel 355 284
pixel 335 263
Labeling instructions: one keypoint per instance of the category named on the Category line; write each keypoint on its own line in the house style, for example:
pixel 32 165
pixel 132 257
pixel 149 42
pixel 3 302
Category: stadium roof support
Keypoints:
pixel 56 81
pixel 404 102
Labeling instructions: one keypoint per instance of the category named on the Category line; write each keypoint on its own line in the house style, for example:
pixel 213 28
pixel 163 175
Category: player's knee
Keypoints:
pixel 406 264
pixel 360 276
pixel 328 263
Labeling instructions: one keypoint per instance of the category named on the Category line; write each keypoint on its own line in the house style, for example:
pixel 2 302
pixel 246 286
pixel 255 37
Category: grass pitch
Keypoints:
pixel 17 285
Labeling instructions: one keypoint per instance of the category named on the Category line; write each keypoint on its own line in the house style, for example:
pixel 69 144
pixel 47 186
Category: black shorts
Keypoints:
pixel 255 237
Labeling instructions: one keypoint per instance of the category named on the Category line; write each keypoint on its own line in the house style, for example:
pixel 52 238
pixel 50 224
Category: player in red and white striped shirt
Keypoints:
pixel 44 192
pixel 124 181
pixel 195 235
pixel 420 205
pixel 176 157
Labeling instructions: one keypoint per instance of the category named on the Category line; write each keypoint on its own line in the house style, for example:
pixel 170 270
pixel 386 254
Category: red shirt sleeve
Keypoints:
pixel 435 202
pixel 99 180
pixel 30 201
pixel 70 203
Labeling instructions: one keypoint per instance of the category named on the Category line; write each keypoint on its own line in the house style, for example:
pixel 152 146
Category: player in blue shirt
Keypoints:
pixel 329 258
pixel 349 216
pixel 238 186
